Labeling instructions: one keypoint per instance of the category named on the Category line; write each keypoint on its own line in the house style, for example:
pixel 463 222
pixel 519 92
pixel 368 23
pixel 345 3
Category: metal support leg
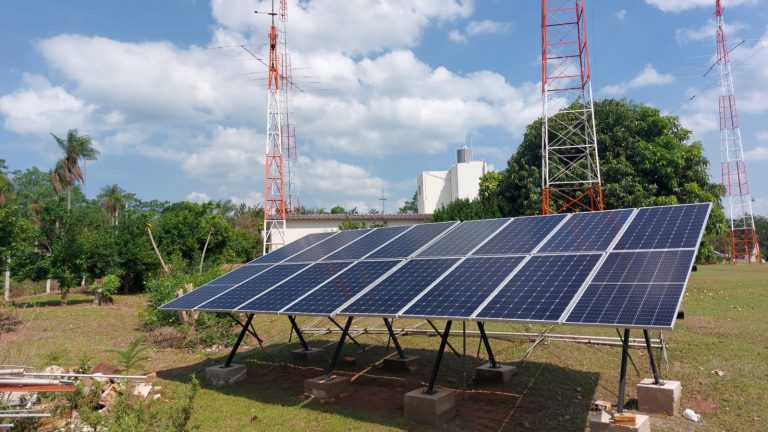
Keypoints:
pixel 362 348
pixel 240 337
pixel 647 335
pixel 484 337
pixel 631 360
pixel 339 346
pixel 394 339
pixel 296 328
pixel 439 358
pixel 623 375
pixel 440 335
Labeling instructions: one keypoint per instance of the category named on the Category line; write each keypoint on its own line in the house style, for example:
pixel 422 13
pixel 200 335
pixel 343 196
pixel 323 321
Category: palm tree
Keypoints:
pixel 75 147
pixel 113 198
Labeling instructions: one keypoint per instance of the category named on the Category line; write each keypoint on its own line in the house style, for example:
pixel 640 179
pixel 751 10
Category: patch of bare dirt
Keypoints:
pixel 701 404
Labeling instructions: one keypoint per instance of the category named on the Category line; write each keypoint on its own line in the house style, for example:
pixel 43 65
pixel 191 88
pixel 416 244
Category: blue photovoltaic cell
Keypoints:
pixel 399 288
pixel 340 289
pixel 465 288
pixel 240 274
pixel 587 231
pixel 522 235
pixel 292 248
pixel 462 239
pixel 365 245
pixel 190 300
pixel 251 288
pixel 287 292
pixel 646 267
pixel 628 305
pixel 670 227
pixel 411 241
pixel 542 289
pixel 329 246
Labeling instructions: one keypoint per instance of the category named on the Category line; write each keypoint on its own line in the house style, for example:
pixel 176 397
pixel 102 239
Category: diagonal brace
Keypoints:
pixel 231 356
pixel 440 335
pixel 439 358
pixel 484 337
pixel 362 348
pixel 394 339
pixel 296 328
pixel 339 346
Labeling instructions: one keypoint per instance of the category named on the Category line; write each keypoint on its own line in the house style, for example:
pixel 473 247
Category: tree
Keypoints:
pixel 67 172
pixel 6 186
pixel 112 199
pixel 409 206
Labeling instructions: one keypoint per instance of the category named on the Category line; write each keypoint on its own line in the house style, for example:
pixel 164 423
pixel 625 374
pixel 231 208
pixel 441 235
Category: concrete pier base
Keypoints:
pixel 397 364
pixel 499 374
pixel 601 422
pixel 436 409
pixel 659 399
pixel 326 387
pixel 219 375
pixel 306 355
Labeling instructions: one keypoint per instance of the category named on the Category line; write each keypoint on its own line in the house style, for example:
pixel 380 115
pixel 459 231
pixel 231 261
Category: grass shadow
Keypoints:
pixel 48 302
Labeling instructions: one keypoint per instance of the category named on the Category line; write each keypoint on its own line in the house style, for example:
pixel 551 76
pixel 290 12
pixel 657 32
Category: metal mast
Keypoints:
pixel 570 169
pixel 290 155
pixel 741 239
pixel 274 194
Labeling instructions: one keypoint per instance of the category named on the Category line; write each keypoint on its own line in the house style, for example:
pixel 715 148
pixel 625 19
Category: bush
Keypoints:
pixel 163 289
pixel 108 285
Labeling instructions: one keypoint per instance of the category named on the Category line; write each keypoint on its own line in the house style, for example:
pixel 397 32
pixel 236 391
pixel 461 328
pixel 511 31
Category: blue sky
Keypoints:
pixel 391 88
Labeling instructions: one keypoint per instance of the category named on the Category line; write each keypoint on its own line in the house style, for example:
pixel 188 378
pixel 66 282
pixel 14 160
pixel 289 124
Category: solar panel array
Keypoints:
pixel 620 268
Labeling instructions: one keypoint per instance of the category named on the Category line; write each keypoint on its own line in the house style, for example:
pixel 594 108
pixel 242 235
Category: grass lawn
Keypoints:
pixel 724 329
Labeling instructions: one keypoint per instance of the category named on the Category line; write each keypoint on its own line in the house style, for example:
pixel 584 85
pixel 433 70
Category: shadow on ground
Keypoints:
pixel 541 396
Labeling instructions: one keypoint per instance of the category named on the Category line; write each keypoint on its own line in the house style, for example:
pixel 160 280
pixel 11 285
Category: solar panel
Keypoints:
pixel 329 246
pixel 287 292
pixel 541 290
pixel 195 297
pixel 334 293
pixel 646 267
pixel 251 288
pixel 367 244
pixel 666 227
pixel 465 288
pixel 522 235
pixel 239 274
pixel 292 248
pixel 628 305
pixel 462 239
pixel 587 231
pixel 413 240
pixel 392 294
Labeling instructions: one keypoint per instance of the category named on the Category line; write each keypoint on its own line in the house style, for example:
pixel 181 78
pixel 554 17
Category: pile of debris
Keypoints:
pixel 20 389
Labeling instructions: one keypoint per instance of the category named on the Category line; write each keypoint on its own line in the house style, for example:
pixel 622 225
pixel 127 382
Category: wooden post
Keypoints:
pixel 7 292
pixel 157 251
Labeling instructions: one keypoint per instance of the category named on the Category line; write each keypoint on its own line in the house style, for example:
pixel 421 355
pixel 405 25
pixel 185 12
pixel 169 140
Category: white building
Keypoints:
pixel 436 189
pixel 298 226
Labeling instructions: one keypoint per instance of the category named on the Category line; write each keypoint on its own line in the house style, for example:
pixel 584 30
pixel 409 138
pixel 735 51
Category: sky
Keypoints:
pixel 387 88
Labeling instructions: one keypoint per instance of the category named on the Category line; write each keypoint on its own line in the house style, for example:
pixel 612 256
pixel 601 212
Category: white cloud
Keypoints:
pixel 457 36
pixel 649 76
pixel 762 135
pixel 756 154
pixel 488 27
pixel 252 199
pixel 234 155
pixel 707 31
pixel 621 15
pixel 683 5
pixel 760 206
pixel 198 197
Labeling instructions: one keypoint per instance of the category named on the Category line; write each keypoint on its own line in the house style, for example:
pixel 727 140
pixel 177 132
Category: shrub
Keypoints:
pixel 108 285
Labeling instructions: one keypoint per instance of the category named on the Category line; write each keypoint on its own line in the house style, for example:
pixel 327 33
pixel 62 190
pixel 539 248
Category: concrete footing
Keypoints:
pixel 601 422
pixel 219 375
pixel 436 409
pixel 306 355
pixel 659 399
pixel 499 374
pixel 326 387
pixel 397 364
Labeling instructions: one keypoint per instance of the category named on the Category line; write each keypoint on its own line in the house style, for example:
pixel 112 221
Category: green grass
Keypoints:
pixel 724 329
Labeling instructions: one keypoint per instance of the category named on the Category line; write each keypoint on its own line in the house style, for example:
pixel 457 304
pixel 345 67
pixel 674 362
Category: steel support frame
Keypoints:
pixel 339 346
pixel 654 368
pixel 393 337
pixel 362 348
pixel 296 329
pixel 246 329
pixel 440 335
pixel 484 337
pixel 439 358
pixel 623 373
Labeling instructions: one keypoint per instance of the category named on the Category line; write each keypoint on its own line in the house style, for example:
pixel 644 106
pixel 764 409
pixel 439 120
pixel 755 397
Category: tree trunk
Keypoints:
pixel 7 291
pixel 157 251
pixel 205 248
pixel 69 198
pixel 64 295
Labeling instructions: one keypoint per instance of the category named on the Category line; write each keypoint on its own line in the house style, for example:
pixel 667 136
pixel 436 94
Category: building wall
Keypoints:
pixel 296 229
pixel 436 189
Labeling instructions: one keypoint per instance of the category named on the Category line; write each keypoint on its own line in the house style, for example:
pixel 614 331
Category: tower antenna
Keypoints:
pixel 740 240
pixel 570 168
pixel 288 127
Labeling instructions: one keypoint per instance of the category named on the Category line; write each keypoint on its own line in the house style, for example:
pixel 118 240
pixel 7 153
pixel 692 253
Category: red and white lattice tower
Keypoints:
pixel 274 192
pixel 288 127
pixel 741 239
pixel 570 169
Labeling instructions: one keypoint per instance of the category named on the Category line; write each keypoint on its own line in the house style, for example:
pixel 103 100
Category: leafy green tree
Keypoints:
pixel 352 224
pixel 68 172
pixel 6 186
pixel 410 206
pixel 113 198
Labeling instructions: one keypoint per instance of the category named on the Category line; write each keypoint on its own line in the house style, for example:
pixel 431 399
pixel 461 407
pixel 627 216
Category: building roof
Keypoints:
pixel 362 217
